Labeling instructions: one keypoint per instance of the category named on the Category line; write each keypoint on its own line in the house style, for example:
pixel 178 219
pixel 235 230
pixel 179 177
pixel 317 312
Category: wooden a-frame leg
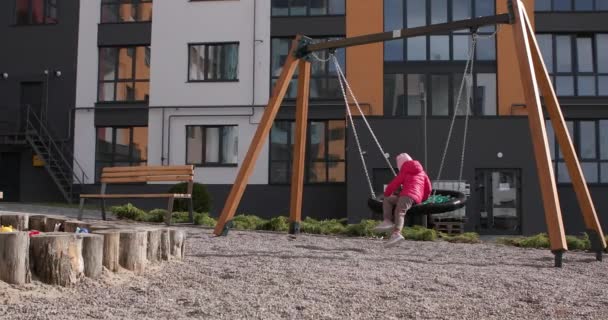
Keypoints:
pixel 592 224
pixel 538 132
pixel 299 149
pixel 261 134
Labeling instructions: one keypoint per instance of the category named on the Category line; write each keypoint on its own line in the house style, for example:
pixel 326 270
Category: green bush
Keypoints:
pixel 200 197
pixel 333 226
pixel 156 215
pixel 279 223
pixel 419 233
pixel 203 219
pixel 363 229
pixel 128 211
pixel 247 222
pixel 467 237
pixel 540 240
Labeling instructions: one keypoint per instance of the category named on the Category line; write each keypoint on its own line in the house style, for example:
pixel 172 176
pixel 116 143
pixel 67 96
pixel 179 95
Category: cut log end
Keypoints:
pixel 17 221
pixel 57 258
pixel 133 249
pixel 72 225
pixel 178 243
pixel 92 254
pixel 14 257
pixel 111 249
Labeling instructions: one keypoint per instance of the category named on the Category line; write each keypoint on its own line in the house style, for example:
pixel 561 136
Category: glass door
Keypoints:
pixel 498 193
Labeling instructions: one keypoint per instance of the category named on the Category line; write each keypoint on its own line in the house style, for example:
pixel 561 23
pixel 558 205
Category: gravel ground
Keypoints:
pixel 253 275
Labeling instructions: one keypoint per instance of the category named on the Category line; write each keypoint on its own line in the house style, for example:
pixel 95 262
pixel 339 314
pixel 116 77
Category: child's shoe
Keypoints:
pixel 395 238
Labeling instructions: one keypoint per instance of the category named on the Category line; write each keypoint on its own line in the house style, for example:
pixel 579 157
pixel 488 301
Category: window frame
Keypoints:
pixel 205 164
pixel 308 161
pixel 596 7
pixel 136 4
pixel 206 46
pixel 45 9
pixel 117 79
pixel 113 153
pixel 308 10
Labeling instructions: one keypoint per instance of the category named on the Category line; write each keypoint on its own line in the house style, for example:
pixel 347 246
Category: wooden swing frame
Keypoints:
pixel 535 80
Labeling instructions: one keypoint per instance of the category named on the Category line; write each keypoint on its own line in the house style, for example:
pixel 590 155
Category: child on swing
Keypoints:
pixel 411 186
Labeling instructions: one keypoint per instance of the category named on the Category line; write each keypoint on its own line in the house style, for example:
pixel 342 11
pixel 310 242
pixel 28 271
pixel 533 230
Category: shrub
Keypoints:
pixel 578 243
pixel 128 211
pixel 247 222
pixel 419 233
pixel 156 215
pixel 279 223
pixel 200 197
pixel 203 219
pixel 333 226
pixel 467 237
pixel 363 229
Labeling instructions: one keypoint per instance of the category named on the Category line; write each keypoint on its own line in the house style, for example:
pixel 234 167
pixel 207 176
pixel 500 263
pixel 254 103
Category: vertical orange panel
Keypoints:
pixel 364 64
pixel 510 90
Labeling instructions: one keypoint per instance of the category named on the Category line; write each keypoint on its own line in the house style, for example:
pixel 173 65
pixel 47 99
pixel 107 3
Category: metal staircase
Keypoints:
pixel 57 157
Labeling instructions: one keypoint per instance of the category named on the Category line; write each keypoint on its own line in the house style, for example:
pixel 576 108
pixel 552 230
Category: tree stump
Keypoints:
pixel 71 225
pixel 17 221
pixel 98 227
pixel 111 249
pixel 178 242
pixel 38 223
pixel 57 258
pixel 154 251
pixel 165 244
pixel 51 223
pixel 92 254
pixel 14 257
pixel 133 249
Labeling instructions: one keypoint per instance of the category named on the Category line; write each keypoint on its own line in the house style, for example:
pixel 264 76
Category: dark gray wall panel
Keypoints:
pixel 571 22
pixel 309 26
pixel 128 116
pixel 118 34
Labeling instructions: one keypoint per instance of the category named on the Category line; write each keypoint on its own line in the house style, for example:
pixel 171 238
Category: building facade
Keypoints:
pixel 164 82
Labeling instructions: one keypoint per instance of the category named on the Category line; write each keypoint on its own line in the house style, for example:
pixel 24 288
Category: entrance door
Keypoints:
pixel 32 96
pixel 9 176
pixel 498 193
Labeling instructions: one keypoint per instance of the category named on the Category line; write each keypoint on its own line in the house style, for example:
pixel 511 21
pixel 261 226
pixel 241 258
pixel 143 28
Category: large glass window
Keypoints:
pixel 213 62
pixel 124 74
pixel 212 145
pixel 578 64
pixel 124 11
pixel 28 12
pixel 590 138
pixel 325 152
pixel 307 7
pixel 570 5
pixel 409 94
pixel 323 79
pixel 450 46
pixel 120 146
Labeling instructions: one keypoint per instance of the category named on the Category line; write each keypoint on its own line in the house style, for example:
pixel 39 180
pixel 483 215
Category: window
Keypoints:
pixel 212 146
pixel 124 74
pixel 125 11
pixel 578 64
pixel 570 5
pixel 307 7
pixel 452 46
pixel 409 94
pixel 590 138
pixel 323 76
pixel 29 12
pixel 325 152
pixel 116 146
pixel 213 62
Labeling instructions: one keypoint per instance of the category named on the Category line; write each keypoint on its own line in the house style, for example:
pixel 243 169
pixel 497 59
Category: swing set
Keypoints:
pixel 535 80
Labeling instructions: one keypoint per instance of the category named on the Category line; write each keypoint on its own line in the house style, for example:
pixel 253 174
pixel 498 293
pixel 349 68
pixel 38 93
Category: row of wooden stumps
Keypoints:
pixel 59 256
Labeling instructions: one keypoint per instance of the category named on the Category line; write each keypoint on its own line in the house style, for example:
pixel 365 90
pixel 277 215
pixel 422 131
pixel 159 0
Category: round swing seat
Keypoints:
pixel 444 201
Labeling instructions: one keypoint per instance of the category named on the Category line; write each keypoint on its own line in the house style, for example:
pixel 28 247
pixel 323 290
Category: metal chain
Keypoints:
pixel 466 120
pixel 350 117
pixel 464 76
pixel 352 95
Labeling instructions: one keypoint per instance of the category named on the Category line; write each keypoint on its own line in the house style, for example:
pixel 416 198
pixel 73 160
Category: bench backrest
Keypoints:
pixel 147 173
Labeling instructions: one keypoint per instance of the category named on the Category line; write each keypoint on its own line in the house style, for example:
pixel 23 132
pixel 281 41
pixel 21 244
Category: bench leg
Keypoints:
pixel 80 208
pixel 103 209
pixel 190 211
pixel 169 212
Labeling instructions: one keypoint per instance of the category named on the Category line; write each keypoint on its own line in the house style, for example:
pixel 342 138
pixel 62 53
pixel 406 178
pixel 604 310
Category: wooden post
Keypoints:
pixel 57 258
pixel 72 225
pixel 538 132
pixel 111 249
pixel 14 257
pixel 37 222
pixel 165 245
pixel 299 149
pixel 51 224
pixel 259 139
pixel 552 105
pixel 17 221
pixel 154 252
pixel 178 243
pixel 92 254
pixel 133 249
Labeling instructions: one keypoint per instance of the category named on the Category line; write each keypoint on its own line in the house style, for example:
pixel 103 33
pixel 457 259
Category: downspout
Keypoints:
pixel 254 58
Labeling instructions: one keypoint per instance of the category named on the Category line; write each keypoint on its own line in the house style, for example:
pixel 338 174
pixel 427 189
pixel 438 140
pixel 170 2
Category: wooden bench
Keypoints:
pixel 119 175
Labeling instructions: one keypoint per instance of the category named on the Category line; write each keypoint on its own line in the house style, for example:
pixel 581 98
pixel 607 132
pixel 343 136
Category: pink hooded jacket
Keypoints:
pixel 416 184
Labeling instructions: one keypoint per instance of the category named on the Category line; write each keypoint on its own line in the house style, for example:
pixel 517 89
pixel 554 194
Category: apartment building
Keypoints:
pixel 89 84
